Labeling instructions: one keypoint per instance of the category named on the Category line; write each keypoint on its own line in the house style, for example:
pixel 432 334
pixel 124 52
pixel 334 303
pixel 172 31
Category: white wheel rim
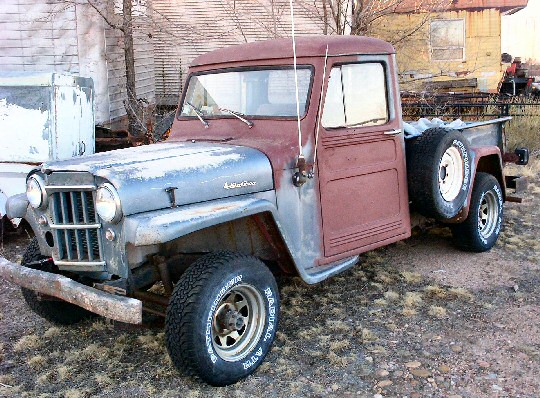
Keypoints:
pixel 488 214
pixel 451 174
pixel 246 303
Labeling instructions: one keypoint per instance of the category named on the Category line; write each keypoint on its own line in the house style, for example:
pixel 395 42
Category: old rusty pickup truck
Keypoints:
pixel 268 169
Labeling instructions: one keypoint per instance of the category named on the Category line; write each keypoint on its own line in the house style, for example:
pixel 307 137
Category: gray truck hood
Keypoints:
pixel 199 171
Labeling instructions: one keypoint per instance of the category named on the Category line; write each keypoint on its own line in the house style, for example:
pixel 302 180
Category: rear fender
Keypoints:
pixel 486 159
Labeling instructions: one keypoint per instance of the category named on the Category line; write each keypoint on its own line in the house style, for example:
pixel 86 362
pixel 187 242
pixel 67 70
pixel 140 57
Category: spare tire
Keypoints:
pixel 439 172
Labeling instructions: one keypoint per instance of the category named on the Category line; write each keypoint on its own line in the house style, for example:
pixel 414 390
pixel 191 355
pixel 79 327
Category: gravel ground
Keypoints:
pixel 415 319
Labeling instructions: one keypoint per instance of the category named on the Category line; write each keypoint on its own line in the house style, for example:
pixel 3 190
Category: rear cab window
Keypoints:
pixel 356 96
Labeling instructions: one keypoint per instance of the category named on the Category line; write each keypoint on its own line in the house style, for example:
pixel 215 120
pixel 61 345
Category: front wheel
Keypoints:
pixel 222 317
pixel 480 231
pixel 53 310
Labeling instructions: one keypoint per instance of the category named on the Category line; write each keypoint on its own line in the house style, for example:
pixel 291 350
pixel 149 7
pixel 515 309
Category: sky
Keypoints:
pixel 520 36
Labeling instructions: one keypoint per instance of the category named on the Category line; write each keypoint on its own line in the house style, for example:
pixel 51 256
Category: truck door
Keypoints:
pixel 361 168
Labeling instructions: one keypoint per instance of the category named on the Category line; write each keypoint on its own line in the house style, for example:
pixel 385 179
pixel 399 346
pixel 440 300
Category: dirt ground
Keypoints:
pixel 415 319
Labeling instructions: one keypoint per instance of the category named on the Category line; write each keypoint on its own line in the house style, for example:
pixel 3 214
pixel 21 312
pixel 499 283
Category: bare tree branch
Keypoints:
pixel 105 18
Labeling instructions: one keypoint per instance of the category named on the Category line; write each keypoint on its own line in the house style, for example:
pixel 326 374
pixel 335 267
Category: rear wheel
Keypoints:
pixel 480 231
pixel 438 172
pixel 53 310
pixel 222 317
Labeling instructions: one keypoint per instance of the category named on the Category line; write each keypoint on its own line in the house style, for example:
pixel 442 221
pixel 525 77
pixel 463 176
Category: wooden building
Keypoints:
pixel 458 49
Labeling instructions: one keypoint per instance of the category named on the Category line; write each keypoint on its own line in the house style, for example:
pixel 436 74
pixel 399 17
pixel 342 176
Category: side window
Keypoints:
pixel 356 96
pixel 447 39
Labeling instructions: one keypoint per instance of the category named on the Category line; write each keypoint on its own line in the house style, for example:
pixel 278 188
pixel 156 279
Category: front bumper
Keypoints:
pixel 119 308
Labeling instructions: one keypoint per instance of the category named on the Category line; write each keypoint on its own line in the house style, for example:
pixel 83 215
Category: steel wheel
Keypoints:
pixel 481 229
pixel 238 322
pixel 488 214
pixel 451 174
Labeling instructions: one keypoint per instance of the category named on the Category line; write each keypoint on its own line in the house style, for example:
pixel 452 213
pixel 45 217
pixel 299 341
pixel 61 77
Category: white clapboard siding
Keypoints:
pixel 184 29
pixel 49 35
pixel 144 66
pixel 38 36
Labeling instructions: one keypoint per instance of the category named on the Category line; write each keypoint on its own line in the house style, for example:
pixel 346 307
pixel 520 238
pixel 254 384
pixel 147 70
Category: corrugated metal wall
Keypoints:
pixel 185 29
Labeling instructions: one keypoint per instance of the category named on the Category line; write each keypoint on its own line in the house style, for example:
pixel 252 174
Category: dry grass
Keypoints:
pixel 524 131
pixel 412 299
pixel 368 336
pixel 64 372
pixel 380 302
pixel 408 311
pixel 437 312
pixel 74 393
pixel 7 380
pixel 45 378
pixel 52 332
pixel 339 345
pixel 391 296
pixel 411 277
pixel 37 361
pixel 338 360
pixel 460 293
pixel 435 291
pixel 339 326
pixel 27 343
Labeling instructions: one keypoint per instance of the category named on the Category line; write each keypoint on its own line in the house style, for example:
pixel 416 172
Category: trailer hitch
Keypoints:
pixel 519 157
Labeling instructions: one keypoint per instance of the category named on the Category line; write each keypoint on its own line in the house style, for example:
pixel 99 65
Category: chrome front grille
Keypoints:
pixel 76 228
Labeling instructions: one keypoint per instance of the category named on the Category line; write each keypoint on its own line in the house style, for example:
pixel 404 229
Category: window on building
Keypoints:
pixel 356 96
pixel 447 39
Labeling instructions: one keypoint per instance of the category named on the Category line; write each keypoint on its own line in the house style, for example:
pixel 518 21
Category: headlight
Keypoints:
pixel 35 191
pixel 108 204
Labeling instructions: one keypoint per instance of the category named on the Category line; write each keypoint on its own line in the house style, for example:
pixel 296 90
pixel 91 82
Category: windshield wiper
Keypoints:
pixel 237 115
pixel 378 119
pixel 199 114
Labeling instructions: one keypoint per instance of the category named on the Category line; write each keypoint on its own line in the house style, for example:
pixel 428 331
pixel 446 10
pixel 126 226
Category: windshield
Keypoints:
pixel 261 92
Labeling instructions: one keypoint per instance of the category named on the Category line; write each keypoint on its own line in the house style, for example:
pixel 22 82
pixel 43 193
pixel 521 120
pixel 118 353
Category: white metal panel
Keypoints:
pixel 73 135
pixel 12 181
pixel 45 116
pixel 25 123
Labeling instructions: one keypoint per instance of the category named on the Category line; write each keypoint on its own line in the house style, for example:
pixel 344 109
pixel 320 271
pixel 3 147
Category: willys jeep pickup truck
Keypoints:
pixel 268 169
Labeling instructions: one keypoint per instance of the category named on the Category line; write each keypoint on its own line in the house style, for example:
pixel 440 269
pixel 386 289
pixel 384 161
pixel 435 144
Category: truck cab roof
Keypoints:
pixel 306 46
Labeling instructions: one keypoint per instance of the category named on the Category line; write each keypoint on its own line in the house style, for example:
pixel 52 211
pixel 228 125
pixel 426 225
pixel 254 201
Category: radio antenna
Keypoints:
pixel 300 150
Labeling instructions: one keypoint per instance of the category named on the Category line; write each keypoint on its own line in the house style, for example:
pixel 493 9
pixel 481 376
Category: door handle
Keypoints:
pixel 393 132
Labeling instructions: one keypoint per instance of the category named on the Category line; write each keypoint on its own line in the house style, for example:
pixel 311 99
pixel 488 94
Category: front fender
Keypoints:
pixel 161 226
pixel 16 206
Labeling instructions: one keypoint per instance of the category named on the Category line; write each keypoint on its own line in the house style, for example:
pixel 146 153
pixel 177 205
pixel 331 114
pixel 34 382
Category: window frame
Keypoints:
pixel 431 47
pixel 390 114
pixel 248 68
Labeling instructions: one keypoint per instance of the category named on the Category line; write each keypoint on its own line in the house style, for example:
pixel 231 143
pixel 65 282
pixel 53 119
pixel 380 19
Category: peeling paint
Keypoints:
pixel 16 127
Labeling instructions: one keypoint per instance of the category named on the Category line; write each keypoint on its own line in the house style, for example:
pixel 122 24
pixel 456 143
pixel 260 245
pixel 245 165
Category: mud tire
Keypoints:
pixel 480 231
pixel 194 307
pixel 425 157
pixel 58 312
